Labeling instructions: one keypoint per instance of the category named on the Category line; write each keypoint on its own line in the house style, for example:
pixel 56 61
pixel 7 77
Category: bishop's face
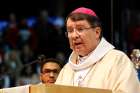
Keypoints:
pixel 83 38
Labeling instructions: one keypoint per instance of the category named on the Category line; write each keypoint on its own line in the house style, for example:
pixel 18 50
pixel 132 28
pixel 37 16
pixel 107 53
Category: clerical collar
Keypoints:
pixel 82 59
pixel 102 48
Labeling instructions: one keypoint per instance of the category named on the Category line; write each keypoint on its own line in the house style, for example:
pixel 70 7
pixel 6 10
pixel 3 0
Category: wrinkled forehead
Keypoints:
pixel 74 23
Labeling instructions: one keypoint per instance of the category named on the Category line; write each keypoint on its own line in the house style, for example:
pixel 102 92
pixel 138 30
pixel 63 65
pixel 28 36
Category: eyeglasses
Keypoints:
pixel 78 30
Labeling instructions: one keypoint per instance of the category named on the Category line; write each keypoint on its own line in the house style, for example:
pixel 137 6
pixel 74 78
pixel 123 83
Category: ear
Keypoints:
pixel 98 32
pixel 40 77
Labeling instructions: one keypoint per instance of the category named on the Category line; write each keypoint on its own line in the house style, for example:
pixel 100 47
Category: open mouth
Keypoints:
pixel 77 45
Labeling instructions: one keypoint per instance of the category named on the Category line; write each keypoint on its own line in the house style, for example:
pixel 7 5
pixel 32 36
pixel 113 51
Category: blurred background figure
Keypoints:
pixel 11 33
pixel 27 76
pixel 13 61
pixel 5 79
pixel 135 58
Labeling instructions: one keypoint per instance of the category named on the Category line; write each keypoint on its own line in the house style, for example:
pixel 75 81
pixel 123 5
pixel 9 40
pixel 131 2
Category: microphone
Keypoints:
pixel 39 59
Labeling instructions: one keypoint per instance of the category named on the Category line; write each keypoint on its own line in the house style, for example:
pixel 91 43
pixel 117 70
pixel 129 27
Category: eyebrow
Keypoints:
pixel 50 69
pixel 75 26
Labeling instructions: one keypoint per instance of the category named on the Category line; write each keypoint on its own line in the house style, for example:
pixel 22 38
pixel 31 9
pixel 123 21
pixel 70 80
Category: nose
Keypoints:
pixel 52 74
pixel 75 34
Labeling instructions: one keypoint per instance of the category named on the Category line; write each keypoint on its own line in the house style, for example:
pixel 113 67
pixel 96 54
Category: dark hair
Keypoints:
pixel 52 60
pixel 92 20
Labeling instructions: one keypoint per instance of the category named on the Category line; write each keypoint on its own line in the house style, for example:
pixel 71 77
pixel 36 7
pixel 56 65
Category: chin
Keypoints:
pixel 50 83
pixel 78 52
pixel 82 54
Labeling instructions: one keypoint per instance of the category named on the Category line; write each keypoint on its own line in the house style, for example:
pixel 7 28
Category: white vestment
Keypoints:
pixel 104 68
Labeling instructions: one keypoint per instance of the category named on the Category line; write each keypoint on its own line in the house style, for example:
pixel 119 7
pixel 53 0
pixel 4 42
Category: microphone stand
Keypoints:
pixel 38 60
